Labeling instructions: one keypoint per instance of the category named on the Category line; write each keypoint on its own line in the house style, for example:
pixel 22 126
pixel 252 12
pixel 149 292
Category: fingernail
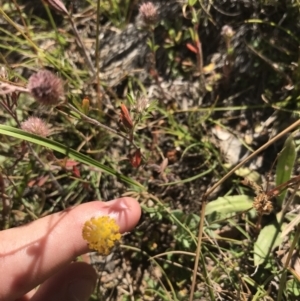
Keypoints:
pixel 119 204
pixel 80 290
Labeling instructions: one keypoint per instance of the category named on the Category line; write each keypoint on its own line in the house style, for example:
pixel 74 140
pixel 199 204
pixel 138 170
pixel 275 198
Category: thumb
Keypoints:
pixel 76 282
pixel 30 254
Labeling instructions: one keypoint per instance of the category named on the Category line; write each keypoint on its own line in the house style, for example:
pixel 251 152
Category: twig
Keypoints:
pixel 81 45
pixel 266 145
pixel 101 125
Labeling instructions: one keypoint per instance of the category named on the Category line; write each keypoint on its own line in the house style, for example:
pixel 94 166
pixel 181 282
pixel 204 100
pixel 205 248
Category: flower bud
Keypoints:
pixel 227 32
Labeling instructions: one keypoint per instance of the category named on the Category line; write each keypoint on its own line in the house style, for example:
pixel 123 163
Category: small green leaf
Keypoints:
pixel 268 238
pixel 192 2
pixel 186 243
pixel 245 172
pixel 229 204
pixel 293 287
pixel 156 47
pixel 285 164
pixel 192 33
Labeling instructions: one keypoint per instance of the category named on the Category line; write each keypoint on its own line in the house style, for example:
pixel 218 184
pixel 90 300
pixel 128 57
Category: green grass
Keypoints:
pixel 197 238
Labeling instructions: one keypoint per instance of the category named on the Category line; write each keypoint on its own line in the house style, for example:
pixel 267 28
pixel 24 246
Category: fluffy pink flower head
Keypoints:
pixel 36 126
pixel 45 87
pixel 148 13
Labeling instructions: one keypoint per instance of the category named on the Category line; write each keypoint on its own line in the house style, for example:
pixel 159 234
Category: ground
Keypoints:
pixel 221 79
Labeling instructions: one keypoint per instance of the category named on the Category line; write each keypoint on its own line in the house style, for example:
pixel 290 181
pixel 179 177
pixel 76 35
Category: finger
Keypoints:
pixel 32 253
pixel 75 282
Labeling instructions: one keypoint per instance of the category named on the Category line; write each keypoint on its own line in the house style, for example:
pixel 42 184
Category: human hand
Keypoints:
pixel 41 252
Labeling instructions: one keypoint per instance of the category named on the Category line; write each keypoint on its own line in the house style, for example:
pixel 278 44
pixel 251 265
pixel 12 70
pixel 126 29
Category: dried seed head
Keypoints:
pixel 46 87
pixel 263 204
pixel 36 126
pixel 148 13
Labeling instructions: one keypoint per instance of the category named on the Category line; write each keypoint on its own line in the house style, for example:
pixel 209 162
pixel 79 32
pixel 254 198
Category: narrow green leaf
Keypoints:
pixel 268 238
pixel 71 153
pixel 285 164
pixel 229 204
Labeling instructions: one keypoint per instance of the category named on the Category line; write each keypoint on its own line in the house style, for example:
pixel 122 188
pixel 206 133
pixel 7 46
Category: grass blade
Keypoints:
pixel 71 153
pixel 285 164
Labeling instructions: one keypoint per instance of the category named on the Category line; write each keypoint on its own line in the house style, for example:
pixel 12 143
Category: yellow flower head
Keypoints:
pixel 101 233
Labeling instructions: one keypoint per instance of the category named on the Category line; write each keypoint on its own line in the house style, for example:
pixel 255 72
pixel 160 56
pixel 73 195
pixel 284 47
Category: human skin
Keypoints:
pixel 42 252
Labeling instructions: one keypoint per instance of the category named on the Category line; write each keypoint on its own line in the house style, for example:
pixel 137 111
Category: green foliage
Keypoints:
pixel 285 165
pixel 119 158
pixel 293 288
pixel 268 239
pixel 228 205
pixel 13 132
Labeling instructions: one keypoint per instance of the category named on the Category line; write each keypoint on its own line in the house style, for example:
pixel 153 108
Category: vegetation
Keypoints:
pixel 188 106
